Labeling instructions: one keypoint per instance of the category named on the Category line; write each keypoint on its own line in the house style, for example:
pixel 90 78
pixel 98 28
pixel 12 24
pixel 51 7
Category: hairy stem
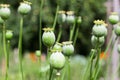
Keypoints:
pixel 40 27
pixel 51 72
pixel 20 48
pixel 59 34
pixel 56 14
pixel 72 29
pixel 5 51
pixel 88 65
pixel 69 71
pixel 76 35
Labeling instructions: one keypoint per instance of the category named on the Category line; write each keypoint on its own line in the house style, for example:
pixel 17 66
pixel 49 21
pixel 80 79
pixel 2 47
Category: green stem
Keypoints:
pixel 40 27
pixel 72 31
pixel 108 46
pixel 59 34
pixel 20 48
pixel 48 54
pixel 88 65
pixel 51 72
pixel 58 77
pixel 56 14
pixel 5 51
pixel 51 69
pixel 97 63
pixel 91 65
pixel 8 47
pixel 40 33
pixel 8 51
pixel 76 34
pixel 97 72
pixel 98 57
pixel 64 72
pixel 68 67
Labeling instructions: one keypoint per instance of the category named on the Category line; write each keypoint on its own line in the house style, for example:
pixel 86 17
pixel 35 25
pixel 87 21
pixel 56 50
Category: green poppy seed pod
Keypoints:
pixel 97 41
pixel 61 17
pixel 117 30
pixel 5 11
pixel 9 34
pixel 57 60
pixel 1 21
pixel 24 8
pixel 118 49
pixel 79 20
pixel 48 37
pixel 70 17
pixel 68 48
pixel 57 46
pixel 38 53
pixel 99 29
pixel 113 18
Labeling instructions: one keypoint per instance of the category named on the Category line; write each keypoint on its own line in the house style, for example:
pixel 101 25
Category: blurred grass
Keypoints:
pixel 32 69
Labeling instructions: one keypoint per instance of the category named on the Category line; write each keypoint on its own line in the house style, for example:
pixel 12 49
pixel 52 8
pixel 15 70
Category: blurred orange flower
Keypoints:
pixel 33 57
pixel 103 55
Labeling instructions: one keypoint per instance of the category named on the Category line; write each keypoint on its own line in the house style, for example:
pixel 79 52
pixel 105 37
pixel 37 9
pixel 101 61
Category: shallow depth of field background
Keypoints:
pixel 89 10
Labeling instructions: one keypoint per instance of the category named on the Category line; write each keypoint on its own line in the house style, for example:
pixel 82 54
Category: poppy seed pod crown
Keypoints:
pixel 99 29
pixel 48 37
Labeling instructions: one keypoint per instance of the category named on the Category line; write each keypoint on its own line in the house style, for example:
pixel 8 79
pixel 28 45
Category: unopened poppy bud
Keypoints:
pixel 57 46
pixel 99 41
pixel 61 17
pixel 70 17
pixel 117 30
pixel 79 20
pixel 68 48
pixel 113 18
pixel 38 53
pixel 9 34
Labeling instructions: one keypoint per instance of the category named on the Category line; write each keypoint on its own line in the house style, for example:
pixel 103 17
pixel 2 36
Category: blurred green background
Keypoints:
pixel 89 10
